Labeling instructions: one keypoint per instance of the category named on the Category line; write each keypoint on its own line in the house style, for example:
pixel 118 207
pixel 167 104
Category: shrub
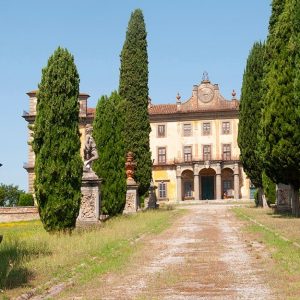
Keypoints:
pixel 25 199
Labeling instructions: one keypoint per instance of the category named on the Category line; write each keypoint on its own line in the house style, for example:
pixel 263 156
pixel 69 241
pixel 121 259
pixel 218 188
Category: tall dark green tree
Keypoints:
pixel 133 87
pixel 58 165
pixel 277 9
pixel 281 114
pixel 250 114
pixel 108 132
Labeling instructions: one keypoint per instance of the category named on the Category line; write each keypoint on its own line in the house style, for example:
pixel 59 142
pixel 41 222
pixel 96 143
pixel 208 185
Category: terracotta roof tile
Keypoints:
pixel 162 109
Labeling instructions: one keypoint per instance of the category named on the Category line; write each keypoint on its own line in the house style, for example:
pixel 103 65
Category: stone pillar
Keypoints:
pixel 152 202
pixel 218 182
pixel 283 198
pixel 132 198
pixel 90 201
pixel 178 183
pixel 236 181
pixel 196 182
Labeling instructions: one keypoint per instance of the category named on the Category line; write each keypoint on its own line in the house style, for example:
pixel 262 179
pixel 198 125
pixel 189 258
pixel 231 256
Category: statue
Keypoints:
pixel 90 151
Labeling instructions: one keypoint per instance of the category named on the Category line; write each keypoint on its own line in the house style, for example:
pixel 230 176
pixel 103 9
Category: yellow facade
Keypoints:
pixel 193 145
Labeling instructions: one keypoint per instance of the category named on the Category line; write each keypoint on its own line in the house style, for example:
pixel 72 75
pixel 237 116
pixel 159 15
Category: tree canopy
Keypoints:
pixel 108 132
pixel 9 194
pixel 281 114
pixel 133 87
pixel 58 165
pixel 250 114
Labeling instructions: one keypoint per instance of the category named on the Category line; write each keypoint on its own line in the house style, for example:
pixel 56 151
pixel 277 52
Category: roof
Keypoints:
pixel 163 109
pixel 34 92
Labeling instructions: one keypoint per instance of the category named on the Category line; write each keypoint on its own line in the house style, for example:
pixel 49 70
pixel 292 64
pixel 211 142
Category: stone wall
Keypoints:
pixel 12 214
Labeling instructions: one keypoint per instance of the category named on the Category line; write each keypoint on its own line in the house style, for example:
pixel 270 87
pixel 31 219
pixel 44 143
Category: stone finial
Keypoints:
pixel 178 97
pixel 233 94
pixel 129 167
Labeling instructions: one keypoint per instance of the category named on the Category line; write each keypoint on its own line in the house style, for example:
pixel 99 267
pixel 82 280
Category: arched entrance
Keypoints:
pixel 207 184
pixel 187 185
pixel 227 183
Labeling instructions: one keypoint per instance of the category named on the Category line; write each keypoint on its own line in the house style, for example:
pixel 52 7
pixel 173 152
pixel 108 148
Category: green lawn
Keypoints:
pixel 30 257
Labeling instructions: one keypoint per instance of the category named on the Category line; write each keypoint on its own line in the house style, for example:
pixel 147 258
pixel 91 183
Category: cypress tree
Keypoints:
pixel 108 134
pixel 58 165
pixel 250 114
pixel 133 87
pixel 277 9
pixel 281 114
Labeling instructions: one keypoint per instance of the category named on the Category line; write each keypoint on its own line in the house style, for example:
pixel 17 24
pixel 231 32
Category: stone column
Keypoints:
pixel 283 198
pixel 218 182
pixel 178 183
pixel 196 182
pixel 152 201
pixel 90 201
pixel 236 181
pixel 132 198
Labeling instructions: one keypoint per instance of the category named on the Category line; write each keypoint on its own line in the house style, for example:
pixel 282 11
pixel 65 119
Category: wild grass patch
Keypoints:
pixel 29 256
pixel 278 233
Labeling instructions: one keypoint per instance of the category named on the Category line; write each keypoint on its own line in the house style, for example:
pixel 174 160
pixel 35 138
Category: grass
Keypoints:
pixel 278 233
pixel 30 257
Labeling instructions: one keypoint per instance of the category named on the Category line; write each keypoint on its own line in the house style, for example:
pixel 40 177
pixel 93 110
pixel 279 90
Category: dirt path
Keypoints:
pixel 202 256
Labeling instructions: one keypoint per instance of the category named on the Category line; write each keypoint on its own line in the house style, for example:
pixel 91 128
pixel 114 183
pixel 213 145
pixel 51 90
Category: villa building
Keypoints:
pixel 193 143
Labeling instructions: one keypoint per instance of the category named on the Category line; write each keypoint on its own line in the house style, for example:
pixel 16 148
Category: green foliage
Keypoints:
pixel 133 87
pixel 108 132
pixel 281 114
pixel 58 166
pixel 256 200
pixel 269 189
pixel 9 194
pixel 277 9
pixel 250 114
pixel 26 199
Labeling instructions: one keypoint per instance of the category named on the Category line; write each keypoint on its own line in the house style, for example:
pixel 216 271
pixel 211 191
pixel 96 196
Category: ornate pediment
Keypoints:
pixel 206 97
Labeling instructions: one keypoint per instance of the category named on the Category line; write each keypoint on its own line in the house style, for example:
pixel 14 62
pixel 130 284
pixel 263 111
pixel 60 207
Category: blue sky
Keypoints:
pixel 185 38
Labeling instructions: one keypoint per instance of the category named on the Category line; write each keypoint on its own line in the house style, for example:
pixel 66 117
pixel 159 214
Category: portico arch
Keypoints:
pixel 187 184
pixel 207 184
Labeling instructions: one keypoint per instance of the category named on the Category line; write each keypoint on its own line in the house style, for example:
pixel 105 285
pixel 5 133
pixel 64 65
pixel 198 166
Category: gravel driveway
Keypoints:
pixel 202 256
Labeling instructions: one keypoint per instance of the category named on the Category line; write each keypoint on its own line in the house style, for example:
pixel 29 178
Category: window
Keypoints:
pixel 206 129
pixel 206 152
pixel 162 155
pixel 161 131
pixel 162 189
pixel 187 153
pixel 225 127
pixel 187 129
pixel 226 152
